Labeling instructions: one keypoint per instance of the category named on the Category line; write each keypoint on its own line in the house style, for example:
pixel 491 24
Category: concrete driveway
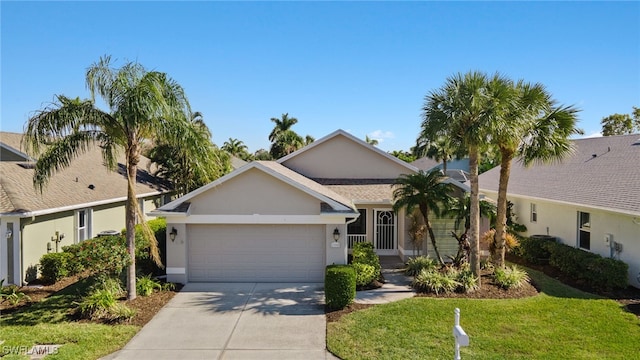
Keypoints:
pixel 235 321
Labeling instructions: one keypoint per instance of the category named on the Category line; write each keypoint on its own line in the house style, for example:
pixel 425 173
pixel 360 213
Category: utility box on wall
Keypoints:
pixel 608 239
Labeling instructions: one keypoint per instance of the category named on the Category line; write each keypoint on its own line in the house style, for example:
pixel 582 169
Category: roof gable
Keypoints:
pixel 341 155
pixel 252 177
pixel 602 173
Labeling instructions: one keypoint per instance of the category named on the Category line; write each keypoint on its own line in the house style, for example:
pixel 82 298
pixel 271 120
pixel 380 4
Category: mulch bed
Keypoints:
pixel 148 306
pixel 629 297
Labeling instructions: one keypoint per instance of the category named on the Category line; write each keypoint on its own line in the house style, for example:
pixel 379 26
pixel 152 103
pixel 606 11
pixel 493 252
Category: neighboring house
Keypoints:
pixel 589 200
pixel 77 204
pixel 457 169
pixel 279 220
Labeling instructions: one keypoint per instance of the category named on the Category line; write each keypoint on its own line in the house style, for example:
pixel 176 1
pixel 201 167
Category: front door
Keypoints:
pixel 385 240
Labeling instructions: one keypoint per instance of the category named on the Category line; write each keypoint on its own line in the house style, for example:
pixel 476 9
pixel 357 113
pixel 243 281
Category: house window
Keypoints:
pixel 83 225
pixel 360 225
pixel 534 213
pixel 584 230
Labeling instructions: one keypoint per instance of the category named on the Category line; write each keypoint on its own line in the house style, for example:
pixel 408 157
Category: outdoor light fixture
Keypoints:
pixel 9 233
pixel 173 233
pixel 336 234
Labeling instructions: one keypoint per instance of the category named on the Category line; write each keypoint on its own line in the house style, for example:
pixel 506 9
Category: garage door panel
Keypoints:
pixel 276 253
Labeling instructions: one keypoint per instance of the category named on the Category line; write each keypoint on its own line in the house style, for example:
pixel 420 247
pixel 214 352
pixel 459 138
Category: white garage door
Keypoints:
pixel 261 253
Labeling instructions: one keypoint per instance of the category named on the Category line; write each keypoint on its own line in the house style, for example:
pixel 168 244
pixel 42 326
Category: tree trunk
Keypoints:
pixel 501 212
pixel 425 215
pixel 130 217
pixel 474 230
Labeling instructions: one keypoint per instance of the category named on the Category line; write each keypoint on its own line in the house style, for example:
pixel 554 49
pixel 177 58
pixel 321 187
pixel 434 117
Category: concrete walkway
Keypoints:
pixel 235 321
pixel 397 286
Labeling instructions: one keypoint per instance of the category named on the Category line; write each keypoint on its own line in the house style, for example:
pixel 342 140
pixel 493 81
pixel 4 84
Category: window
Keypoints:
pixel 584 230
pixel 534 213
pixel 360 225
pixel 83 225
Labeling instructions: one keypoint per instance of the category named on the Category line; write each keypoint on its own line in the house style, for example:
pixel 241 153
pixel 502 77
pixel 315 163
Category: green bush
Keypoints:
pixel 102 303
pixel 144 262
pixel 365 274
pixel 510 277
pixel 534 251
pixel 417 264
pixel 105 255
pixel 466 280
pixel 436 281
pixel 598 272
pixel 363 253
pixel 145 285
pixel 54 266
pixel 339 286
pixel 12 294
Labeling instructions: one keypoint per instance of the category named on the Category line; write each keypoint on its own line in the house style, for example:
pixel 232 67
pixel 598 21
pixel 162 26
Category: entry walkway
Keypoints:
pixel 397 286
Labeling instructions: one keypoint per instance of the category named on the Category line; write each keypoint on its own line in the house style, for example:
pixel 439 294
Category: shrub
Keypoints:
pixel 11 294
pixel 145 285
pixel 104 255
pixel 534 250
pixel 363 253
pixel 54 266
pixel 510 277
pixel 144 262
pixel 488 238
pixel 417 264
pixel 102 302
pixel 365 274
pixel 435 281
pixel 466 280
pixel 339 286
pixel 596 271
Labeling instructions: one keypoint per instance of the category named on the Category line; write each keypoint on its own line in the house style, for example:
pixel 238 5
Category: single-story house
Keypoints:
pixel 285 220
pixel 589 200
pixel 78 203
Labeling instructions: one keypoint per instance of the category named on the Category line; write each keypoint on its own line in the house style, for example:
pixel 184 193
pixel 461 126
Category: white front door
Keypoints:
pixel 385 234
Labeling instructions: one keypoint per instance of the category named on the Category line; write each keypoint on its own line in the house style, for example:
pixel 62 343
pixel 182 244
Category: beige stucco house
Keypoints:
pixel 590 200
pixel 286 220
pixel 79 203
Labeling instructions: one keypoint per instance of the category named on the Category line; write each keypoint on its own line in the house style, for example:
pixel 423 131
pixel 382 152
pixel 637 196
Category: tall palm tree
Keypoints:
pixel 142 105
pixel 427 192
pixel 462 110
pixel 282 125
pixel 308 140
pixel 237 148
pixel 370 141
pixel 188 170
pixel 441 149
pixel 285 143
pixel 535 128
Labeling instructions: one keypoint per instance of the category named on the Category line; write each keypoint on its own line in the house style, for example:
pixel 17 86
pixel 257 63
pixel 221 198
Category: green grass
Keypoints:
pixel 49 322
pixel 560 323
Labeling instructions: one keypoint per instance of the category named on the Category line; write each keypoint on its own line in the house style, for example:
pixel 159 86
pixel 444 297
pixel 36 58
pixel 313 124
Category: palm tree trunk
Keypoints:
pixel 501 212
pixel 474 237
pixel 130 218
pixel 425 215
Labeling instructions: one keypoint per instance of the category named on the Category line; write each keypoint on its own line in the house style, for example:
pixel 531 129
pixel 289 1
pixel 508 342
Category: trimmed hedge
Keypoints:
pixel 339 286
pixel 363 253
pixel 54 266
pixel 596 271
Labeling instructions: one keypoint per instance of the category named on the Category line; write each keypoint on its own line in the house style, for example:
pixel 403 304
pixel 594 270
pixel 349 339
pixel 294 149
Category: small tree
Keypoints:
pixel 417 232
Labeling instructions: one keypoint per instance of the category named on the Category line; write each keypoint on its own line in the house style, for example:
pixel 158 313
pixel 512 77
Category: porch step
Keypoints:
pixel 392 262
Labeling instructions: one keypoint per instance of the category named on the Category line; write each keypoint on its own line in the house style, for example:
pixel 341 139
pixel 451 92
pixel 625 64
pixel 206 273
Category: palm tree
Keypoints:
pixel 308 140
pixel 282 125
pixel 534 128
pixel 427 192
pixel 142 105
pixel 237 148
pixel 185 169
pixel 371 141
pixel 285 143
pixel 462 110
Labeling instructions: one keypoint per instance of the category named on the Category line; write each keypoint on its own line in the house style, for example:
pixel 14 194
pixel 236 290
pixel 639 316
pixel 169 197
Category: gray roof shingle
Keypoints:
pixel 602 172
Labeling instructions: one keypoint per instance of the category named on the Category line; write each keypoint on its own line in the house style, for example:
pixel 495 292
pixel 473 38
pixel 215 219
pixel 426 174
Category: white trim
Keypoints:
pixel 176 271
pixel 78 206
pixel 583 206
pixel 262 219
pixel 354 139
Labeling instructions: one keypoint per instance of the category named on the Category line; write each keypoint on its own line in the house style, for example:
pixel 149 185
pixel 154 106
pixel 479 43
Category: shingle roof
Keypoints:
pixel 425 163
pixel 603 172
pixel 361 190
pixel 70 187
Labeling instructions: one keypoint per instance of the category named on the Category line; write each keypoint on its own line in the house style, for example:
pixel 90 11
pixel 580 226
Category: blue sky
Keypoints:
pixel 361 66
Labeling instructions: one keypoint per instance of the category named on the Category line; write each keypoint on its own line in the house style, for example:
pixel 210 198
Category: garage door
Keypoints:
pixel 261 253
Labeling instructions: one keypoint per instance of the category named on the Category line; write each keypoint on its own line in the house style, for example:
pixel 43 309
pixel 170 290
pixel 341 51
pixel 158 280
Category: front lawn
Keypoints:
pixel 559 323
pixel 51 321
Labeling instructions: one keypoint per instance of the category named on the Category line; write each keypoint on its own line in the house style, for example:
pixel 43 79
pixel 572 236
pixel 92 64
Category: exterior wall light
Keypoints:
pixel 336 234
pixel 173 234
pixel 8 233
